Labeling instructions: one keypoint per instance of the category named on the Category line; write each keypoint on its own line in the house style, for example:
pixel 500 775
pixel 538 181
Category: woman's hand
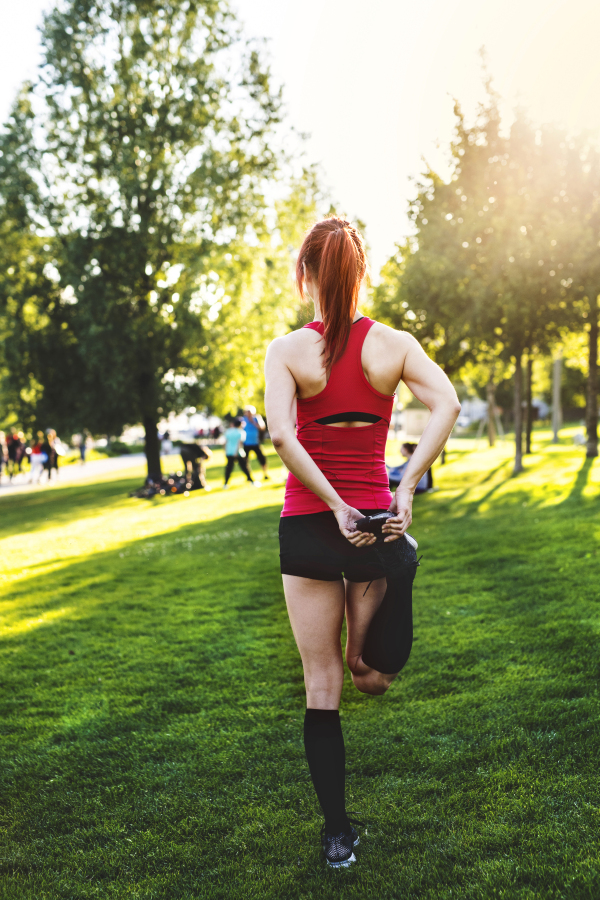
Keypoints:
pixel 402 506
pixel 347 517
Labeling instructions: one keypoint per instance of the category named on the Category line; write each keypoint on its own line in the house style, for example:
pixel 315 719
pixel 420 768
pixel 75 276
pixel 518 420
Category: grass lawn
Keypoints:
pixel 152 697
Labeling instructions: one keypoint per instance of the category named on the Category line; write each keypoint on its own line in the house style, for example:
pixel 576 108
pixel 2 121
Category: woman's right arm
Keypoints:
pixel 280 407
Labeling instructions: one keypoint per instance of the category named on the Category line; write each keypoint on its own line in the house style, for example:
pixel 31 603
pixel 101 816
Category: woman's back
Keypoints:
pixel 353 457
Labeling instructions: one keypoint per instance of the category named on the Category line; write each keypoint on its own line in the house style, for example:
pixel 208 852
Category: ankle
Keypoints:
pixel 338 824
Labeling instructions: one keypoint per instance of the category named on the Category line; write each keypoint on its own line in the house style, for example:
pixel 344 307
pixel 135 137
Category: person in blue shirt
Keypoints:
pixel 234 451
pixel 254 426
pixel 395 473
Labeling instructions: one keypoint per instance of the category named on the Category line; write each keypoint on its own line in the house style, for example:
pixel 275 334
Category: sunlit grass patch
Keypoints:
pixel 152 696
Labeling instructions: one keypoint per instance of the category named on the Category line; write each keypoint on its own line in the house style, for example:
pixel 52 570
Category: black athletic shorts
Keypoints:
pixel 313 546
pixel 259 454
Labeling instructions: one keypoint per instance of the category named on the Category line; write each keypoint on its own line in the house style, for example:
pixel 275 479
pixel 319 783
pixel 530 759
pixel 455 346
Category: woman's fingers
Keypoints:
pixel 360 539
pixel 396 526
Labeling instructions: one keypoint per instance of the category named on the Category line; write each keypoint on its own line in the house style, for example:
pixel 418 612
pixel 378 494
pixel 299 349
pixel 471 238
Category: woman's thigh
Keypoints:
pixel 316 611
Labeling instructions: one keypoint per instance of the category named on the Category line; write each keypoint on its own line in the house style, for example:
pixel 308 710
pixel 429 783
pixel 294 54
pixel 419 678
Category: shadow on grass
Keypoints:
pixel 160 619
pixel 580 482
pixel 31 511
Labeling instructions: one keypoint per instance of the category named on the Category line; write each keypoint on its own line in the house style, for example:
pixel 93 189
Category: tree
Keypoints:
pixel 479 284
pixel 251 298
pixel 580 200
pixel 152 145
pixel 33 337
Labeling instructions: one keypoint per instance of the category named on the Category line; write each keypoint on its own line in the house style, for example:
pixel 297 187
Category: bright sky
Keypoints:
pixel 372 84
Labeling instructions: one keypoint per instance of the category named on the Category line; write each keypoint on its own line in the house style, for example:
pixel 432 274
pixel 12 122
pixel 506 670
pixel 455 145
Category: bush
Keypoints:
pixel 118 448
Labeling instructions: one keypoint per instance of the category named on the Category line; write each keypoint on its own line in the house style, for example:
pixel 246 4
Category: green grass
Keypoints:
pixel 152 697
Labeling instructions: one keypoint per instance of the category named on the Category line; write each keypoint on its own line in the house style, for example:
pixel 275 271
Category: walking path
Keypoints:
pixel 73 473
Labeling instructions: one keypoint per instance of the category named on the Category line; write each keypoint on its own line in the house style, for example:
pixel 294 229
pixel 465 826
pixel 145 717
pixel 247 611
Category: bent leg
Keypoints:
pixel 360 609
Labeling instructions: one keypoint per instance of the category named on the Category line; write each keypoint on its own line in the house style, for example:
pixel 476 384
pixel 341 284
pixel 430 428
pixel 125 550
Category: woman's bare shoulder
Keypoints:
pixel 294 341
pixel 390 338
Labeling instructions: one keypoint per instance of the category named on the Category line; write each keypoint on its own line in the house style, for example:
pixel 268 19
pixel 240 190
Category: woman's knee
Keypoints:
pixel 372 682
pixel 324 687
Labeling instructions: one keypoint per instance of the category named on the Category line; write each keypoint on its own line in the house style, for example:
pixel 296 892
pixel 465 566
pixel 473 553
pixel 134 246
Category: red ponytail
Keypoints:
pixel 334 254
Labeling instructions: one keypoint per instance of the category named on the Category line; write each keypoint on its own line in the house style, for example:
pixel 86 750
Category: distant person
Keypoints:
pixel 50 450
pixel 425 483
pixel 193 457
pixel 255 427
pixel 167 444
pixel 83 445
pixel 234 451
pixel 21 450
pixel 15 452
pixel 37 459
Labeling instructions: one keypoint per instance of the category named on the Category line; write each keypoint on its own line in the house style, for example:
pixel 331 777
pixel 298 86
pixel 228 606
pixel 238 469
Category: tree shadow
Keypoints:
pixel 158 614
pixel 30 512
pixel 463 495
pixel 581 480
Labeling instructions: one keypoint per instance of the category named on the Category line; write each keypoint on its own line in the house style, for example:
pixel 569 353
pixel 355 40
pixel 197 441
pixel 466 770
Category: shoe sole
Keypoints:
pixel 343 864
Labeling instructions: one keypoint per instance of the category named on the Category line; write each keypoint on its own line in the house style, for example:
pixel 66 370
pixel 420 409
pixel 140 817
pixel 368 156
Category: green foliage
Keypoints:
pixel 150 153
pixel 250 299
pixel 470 283
pixel 492 270
pixel 152 698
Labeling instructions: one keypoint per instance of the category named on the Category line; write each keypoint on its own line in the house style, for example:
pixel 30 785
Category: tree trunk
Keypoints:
pixel 518 415
pixel 529 424
pixel 591 407
pixel 152 448
pixel 491 412
pixel 443 456
pixel 556 404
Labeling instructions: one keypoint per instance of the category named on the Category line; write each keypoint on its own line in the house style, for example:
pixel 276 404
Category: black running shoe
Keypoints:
pixel 338 848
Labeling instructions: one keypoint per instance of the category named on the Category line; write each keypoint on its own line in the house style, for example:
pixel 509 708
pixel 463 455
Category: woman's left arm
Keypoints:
pixel 432 387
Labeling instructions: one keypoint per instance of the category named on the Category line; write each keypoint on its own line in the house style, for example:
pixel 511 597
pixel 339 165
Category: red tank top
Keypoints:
pixel 352 459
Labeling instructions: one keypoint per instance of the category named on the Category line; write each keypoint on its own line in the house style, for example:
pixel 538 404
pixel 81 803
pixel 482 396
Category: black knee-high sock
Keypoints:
pixel 324 746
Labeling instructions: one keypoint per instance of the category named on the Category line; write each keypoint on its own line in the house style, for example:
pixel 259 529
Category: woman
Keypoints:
pixel 234 451
pixel 37 459
pixel 50 451
pixel 255 427
pixel 335 378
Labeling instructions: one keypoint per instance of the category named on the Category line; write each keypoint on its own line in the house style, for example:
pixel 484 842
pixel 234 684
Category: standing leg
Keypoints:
pixel 243 461
pixel 201 472
pixel 316 610
pixel 229 467
pixel 262 459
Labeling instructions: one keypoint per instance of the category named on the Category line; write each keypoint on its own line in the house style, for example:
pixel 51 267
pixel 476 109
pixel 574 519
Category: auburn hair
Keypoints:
pixel 333 254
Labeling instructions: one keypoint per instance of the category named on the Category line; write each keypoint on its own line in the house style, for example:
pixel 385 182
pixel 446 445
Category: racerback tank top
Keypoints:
pixel 352 459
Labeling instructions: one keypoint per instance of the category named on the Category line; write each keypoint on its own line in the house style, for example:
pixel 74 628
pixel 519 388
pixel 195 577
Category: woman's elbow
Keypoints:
pixel 278 439
pixel 447 405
